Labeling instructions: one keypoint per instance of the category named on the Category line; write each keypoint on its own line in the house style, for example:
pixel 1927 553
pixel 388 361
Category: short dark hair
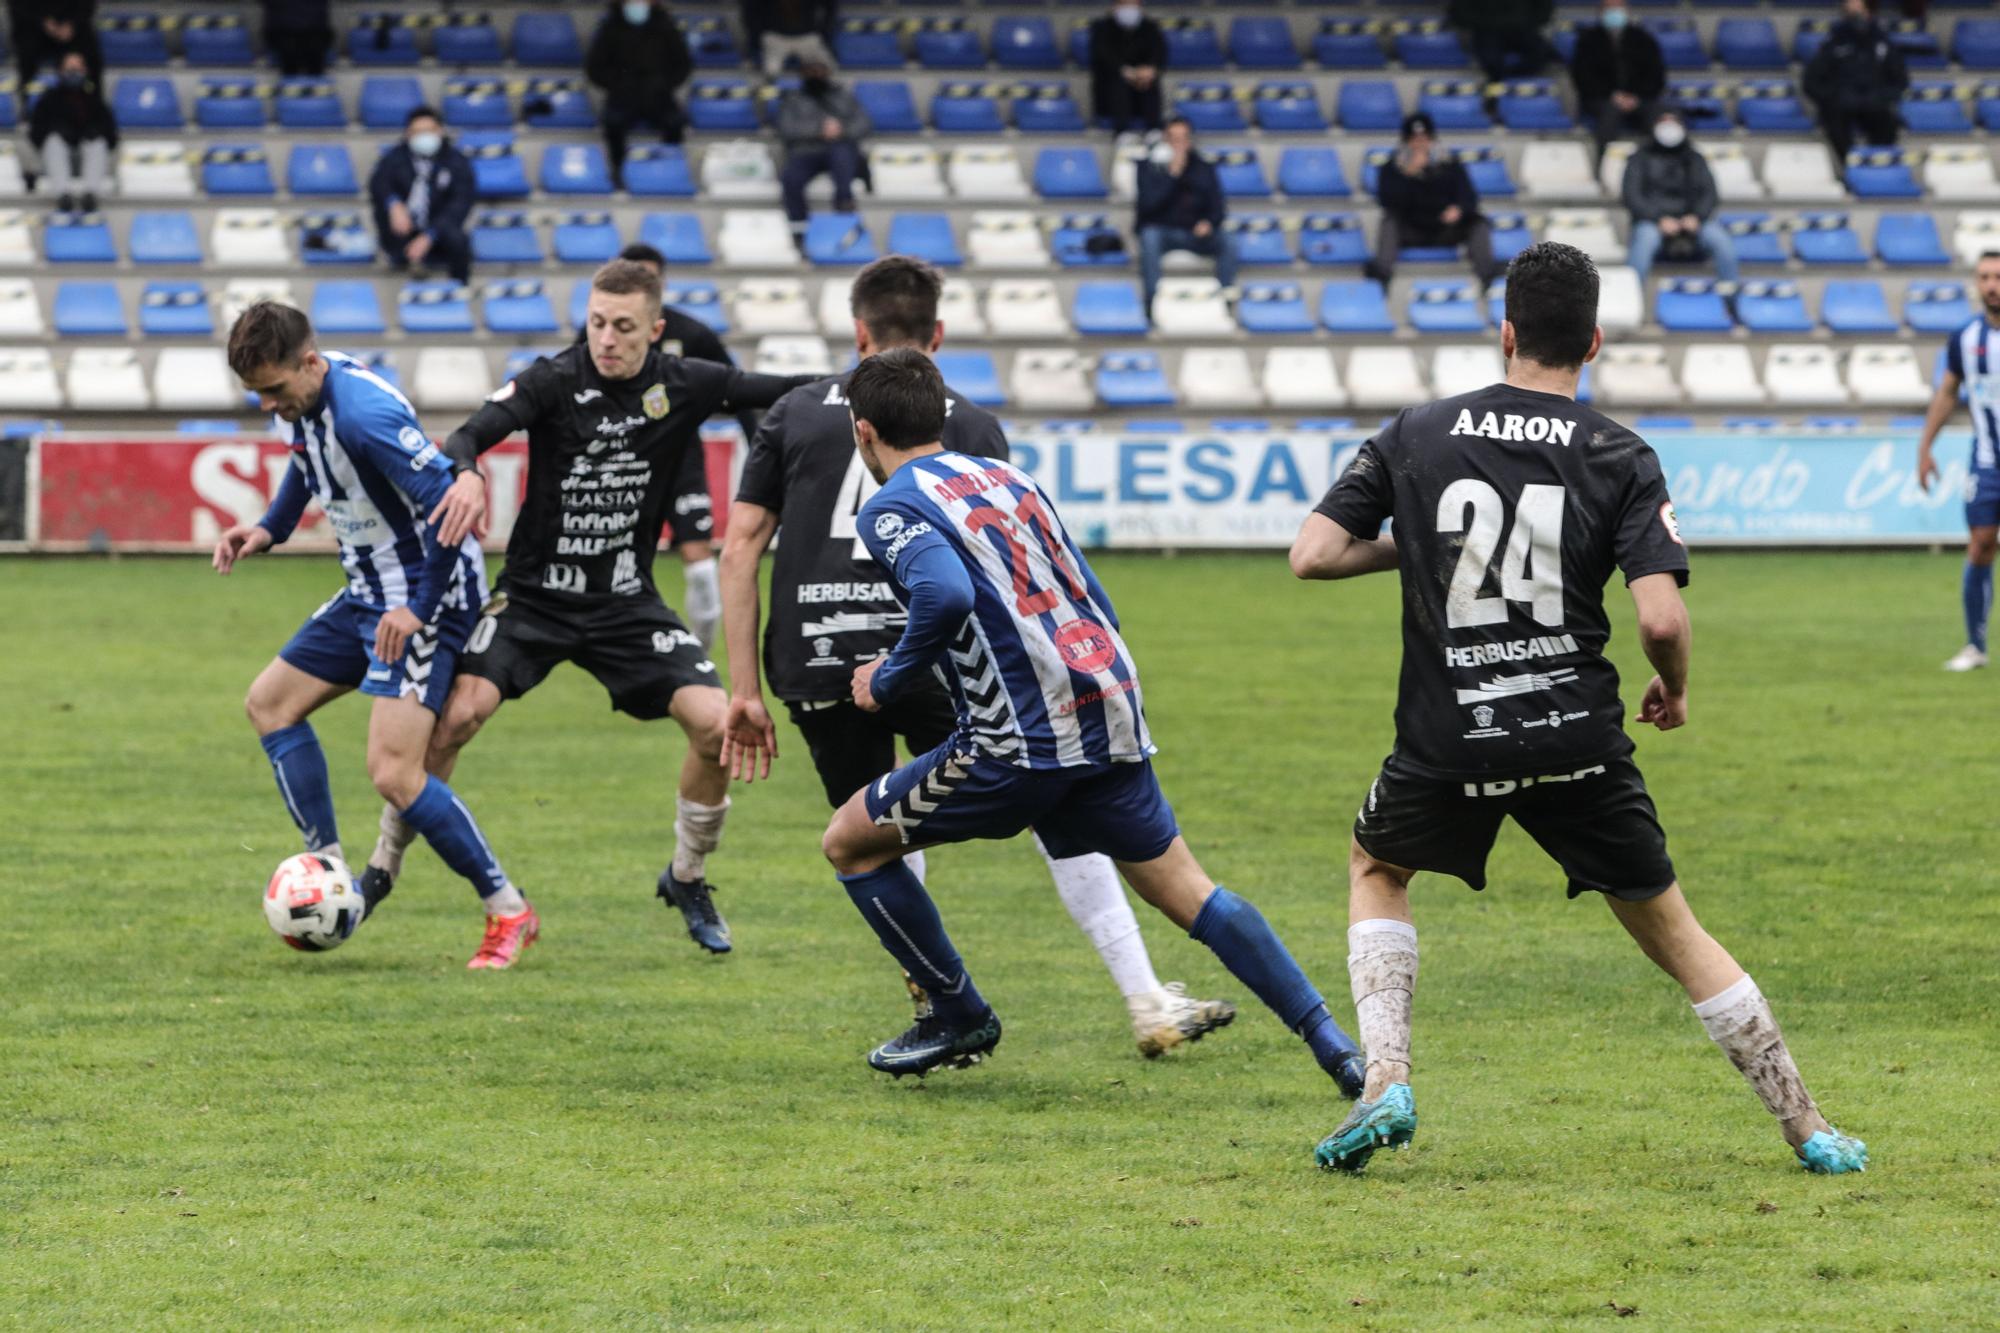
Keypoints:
pixel 897 298
pixel 900 393
pixel 1172 121
pixel 622 277
pixel 418 113
pixel 1552 303
pixel 641 253
pixel 1985 255
pixel 268 334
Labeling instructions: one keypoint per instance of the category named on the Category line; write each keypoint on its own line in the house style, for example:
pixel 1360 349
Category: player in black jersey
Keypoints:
pixel 831 608
pixel 609 423
pixel 1512 506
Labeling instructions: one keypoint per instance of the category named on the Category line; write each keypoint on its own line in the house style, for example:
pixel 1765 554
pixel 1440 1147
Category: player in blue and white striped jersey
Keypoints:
pixel 1972 360
pixel 396 629
pixel 1051 730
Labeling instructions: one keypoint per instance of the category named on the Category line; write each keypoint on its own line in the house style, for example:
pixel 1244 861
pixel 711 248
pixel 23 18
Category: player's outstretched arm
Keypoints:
pixel 287 507
pixel 1943 403
pixel 1667 637
pixel 239 543
pixel 1326 550
pixel 482 430
pixel 749 740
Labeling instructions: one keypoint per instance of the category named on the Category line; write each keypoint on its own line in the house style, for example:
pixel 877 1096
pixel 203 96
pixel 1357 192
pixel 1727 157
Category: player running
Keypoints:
pixel 1511 508
pixel 608 424
pixel 397 628
pixel 831 609
pixel 1049 733
pixel 1972 360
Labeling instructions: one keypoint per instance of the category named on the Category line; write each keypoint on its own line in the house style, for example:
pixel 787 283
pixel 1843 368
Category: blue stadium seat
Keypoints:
pixel 388 99
pixel 677 236
pixel 1975 43
pixel 89 309
pixel 1691 305
pixel 467 39
pixel 869 44
pixel 434 307
pixel 1274 307
pixel 235 169
pixel 1332 238
pixel 1260 238
pixel 1742 43
pixel 1933 107
pixel 575 168
pixel 711 43
pixel 1192 43
pixel 1079 45
pixel 1986 105
pixel 1262 43
pixel 1856 306
pixel 1806 39
pixel 1068 173
pixel 1288 106
pixel 1447 307
pixel 1108 308
pixel 1831 424
pixel 588 238
pixel 1534 105
pixel 1210 107
pixel 1070 242
pixel 1132 379
pixel 1368 104
pixel 336 237
pixel 131 39
pixel 1357 306
pixel 1680 43
pixel 1312 173
pixel 497 170
pixel 1825 238
pixel 889 105
pixel 1028 43
pixel 1703 109
pixel 1759 238
pixel 1371 168
pixel 1427 45
pixel 974 375
pixel 309 104
pixel 347 306
pixel 146 103
pixel 1510 235
pixel 948 43
pixel 1936 307
pixel 383 39
pixel 966 108
pixel 658 170
pixel 723 104
pixel 229 104
pixel 697 299
pixel 927 236
pixel 320 169
pixel 1047 108
pixel 79 238
pixel 10 111
pixel 1455 105
pixel 1661 422
pixel 519 306
pixel 1241 173
pixel 1772 307
pixel 521 358
pixel 166 237
pixel 1881 173
pixel 216 40
pixel 1488 169
pixel 838 239
pixel 1347 44
pixel 1496 303
pixel 557 104
pixel 1772 106
pixel 1910 238
pixel 1918 47
pixel 477 104
pixel 1751 425
pixel 505 238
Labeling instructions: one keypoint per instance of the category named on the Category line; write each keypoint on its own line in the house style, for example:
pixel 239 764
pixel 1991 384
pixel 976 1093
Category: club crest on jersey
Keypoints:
pixel 1513 426
pixel 1085 647
pixel 1673 525
pixel 888 525
pixel 655 401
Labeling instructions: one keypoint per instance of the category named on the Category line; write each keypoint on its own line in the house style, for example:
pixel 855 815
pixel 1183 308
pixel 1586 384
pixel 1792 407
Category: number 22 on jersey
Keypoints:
pixel 1530 566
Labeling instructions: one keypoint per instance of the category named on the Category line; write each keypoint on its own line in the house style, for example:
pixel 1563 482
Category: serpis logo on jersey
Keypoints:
pixel 655 401
pixel 1494 426
pixel 888 525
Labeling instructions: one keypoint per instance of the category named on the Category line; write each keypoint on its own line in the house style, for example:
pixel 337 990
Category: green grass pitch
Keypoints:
pixel 201 1129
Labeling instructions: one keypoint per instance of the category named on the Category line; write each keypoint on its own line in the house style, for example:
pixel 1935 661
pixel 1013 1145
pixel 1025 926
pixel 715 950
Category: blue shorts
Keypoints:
pixel 953 794
pixel 337 644
pixel 1982 497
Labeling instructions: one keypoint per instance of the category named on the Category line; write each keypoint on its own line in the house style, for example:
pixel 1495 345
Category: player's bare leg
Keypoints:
pixel 278 704
pixel 1981 545
pixel 1739 1019
pixel 700 806
pixel 471 702
pixel 1382 969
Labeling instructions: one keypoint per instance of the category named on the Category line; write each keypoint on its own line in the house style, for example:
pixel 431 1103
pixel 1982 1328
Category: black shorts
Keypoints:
pixel 1596 820
pixel 639 650
pixel 850 748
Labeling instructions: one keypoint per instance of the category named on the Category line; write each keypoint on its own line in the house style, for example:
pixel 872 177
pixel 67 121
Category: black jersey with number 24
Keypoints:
pixel 1511 508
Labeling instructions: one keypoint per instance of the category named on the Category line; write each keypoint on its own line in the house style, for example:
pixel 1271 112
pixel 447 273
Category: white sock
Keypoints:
pixel 1739 1021
pixel 395 839
pixel 697 832
pixel 1089 888
pixel 505 902
pixel 915 861
pixel 1382 968
pixel 331 849
pixel 704 599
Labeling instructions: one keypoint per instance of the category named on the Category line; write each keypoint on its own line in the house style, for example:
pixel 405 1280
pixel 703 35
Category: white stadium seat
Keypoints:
pixel 1051 379
pixel 1611 170
pixel 836 313
pixel 958 310
pixel 738 169
pixel 17 240
pixel 1190 308
pixel 1720 375
pixel 1125 160
pixel 793 354
pixel 986 171
pixel 1976 232
pixel 1635 373
pixel 248 238
pixel 772 305
pixel 1735 176
pixel 1590 230
pixel 906 171
pixel 195 379
pixel 1801 171
pixel 12 181
pixel 1803 374
pixel 106 379
pixel 1886 375
pixel 239 294
pixel 1457 370
pixel 451 377
pixel 1621 299
pixel 1007 239
pixel 20 311
pixel 1217 378
pixel 1025 310
pixel 1384 377
pixel 1557 169
pixel 1960 171
pixel 152 169
pixel 1302 379
pixel 28 381
pixel 756 238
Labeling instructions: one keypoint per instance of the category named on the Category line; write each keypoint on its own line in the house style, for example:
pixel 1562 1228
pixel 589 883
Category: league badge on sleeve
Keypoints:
pixel 655 402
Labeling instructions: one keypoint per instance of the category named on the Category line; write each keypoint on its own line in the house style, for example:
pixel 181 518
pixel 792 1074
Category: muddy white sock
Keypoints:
pixel 395 839
pixel 697 832
pixel 1382 967
pixel 1089 888
pixel 915 861
pixel 505 902
pixel 1739 1021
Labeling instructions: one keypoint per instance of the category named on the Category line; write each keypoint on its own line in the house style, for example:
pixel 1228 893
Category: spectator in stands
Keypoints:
pixel 640 59
pixel 1181 207
pixel 822 126
pixel 782 30
pixel 1127 53
pixel 1505 35
pixel 422 191
pixel 1671 194
pixel 47 31
pixel 1856 78
pixel 298 34
pixel 1428 200
pixel 1619 74
pixel 73 132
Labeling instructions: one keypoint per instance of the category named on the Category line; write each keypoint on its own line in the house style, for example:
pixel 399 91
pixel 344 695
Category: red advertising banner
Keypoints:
pixel 179 492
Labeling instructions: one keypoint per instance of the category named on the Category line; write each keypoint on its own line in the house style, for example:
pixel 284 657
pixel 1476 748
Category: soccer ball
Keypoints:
pixel 312 902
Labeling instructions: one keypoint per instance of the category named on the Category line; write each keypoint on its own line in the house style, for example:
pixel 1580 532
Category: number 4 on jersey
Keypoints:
pixel 1530 567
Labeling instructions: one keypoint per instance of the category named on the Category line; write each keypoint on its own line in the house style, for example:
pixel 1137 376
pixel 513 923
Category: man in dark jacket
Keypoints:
pixel 1127 53
pixel 1856 79
pixel 298 34
pixel 1619 73
pixel 822 127
pixel 45 31
pixel 1181 207
pixel 1671 194
pixel 1505 35
pixel 782 30
pixel 422 190
pixel 1427 199
pixel 74 132
pixel 639 57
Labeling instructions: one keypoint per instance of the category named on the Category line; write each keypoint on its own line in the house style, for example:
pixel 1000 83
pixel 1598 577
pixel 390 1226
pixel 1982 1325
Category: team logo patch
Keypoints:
pixel 413 439
pixel 1670 523
pixel 888 525
pixel 655 401
pixel 1085 646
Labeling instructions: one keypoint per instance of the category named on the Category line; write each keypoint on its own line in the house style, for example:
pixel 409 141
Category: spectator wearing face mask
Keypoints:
pixel 822 126
pixel 73 133
pixel 1671 195
pixel 1620 73
pixel 1127 53
pixel 640 59
pixel 1856 79
pixel 422 190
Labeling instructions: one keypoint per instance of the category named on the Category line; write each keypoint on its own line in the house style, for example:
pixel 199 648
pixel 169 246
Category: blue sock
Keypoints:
pixel 906 920
pixel 449 828
pixel 1977 589
pixel 300 766
pixel 1236 932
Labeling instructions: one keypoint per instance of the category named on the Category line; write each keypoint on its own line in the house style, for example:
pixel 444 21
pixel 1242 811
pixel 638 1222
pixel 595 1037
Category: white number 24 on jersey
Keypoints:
pixel 856 489
pixel 1530 567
